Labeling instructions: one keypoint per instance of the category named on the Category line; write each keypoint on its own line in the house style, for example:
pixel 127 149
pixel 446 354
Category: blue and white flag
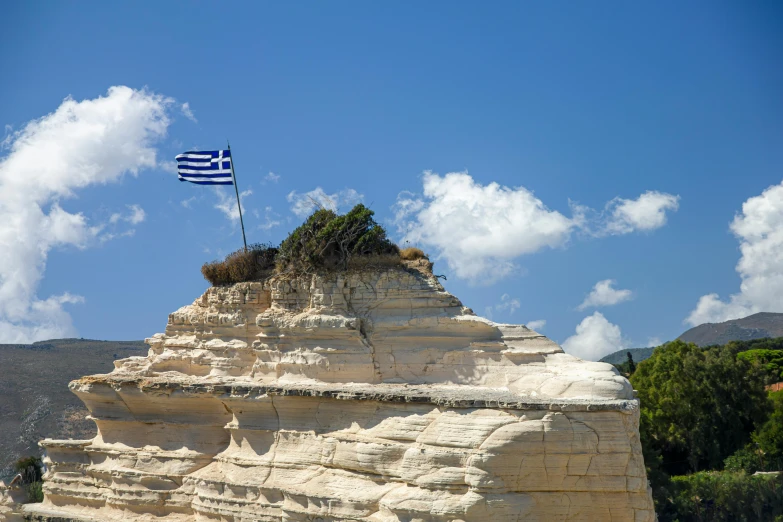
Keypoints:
pixel 205 167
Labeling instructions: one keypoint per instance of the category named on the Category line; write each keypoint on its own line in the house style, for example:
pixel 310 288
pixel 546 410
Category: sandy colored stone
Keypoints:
pixel 365 396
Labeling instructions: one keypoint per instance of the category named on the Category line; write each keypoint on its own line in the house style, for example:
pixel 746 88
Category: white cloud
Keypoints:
pixel 82 143
pixel 647 212
pixel 45 319
pixel 594 338
pixel 604 295
pixel 7 137
pixel 304 204
pixel 108 236
pixel 536 325
pixel 187 112
pixel 270 220
pixel 227 202
pixel 479 229
pixel 654 342
pixel 187 202
pixel 168 166
pixel 507 303
pixel 759 229
pixel 272 177
pixel 135 215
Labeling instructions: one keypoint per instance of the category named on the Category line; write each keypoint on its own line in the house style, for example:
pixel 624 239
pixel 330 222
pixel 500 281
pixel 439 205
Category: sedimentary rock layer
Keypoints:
pixel 373 396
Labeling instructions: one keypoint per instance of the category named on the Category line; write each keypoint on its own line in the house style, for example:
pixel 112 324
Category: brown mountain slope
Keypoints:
pixel 34 398
pixel 756 326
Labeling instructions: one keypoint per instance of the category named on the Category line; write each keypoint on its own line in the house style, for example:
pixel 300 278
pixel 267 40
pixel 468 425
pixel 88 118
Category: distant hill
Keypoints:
pixel 619 357
pixel 756 326
pixel 34 398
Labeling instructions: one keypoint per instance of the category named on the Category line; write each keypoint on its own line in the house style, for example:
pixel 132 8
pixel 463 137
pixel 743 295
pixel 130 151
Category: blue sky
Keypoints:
pixel 577 110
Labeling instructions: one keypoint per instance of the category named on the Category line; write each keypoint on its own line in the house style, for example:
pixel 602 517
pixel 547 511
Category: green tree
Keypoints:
pixel 765 451
pixel 770 436
pixel 698 406
pixel 31 471
pixel 770 360
pixel 329 240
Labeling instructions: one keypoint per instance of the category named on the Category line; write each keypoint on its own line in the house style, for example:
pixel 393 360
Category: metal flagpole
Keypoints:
pixel 236 189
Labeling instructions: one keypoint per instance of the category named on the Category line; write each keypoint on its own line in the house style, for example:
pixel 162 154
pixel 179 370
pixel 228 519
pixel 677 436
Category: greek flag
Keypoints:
pixel 205 167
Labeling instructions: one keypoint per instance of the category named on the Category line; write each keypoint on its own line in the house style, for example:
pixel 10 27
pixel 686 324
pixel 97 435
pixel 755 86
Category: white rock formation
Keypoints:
pixel 363 396
pixel 11 499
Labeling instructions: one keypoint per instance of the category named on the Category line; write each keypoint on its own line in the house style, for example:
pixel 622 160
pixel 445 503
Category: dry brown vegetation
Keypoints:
pixel 412 253
pixel 257 262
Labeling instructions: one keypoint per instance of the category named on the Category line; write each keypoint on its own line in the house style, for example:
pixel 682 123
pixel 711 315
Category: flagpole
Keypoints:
pixel 236 189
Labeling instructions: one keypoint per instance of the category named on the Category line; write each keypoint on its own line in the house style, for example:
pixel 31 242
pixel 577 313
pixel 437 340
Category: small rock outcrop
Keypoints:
pixel 369 395
pixel 12 497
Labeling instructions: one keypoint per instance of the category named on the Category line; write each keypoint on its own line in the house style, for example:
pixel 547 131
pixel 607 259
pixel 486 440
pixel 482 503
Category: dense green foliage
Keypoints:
pixel 772 360
pixel 329 240
pixel 31 471
pixel 765 451
pixel 706 408
pixel 765 343
pixel 698 405
pixel 723 496
pixel 243 265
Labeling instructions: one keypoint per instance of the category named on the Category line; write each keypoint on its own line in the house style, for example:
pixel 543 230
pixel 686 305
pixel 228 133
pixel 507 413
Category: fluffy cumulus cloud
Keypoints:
pixel 646 213
pixel 595 337
pixel 304 204
pixel 47 161
pixel 479 229
pixel 759 229
pixel 604 294
pixel 536 325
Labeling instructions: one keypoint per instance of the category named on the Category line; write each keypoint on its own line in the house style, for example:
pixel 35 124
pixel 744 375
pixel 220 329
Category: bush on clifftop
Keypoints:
pixel 328 240
pixel 243 265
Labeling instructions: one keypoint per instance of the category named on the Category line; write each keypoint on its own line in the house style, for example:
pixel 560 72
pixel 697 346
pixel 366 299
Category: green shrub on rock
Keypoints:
pixel 332 241
pixel 31 471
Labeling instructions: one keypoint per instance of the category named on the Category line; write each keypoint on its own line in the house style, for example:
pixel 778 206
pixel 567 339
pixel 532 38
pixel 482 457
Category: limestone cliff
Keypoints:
pixel 370 395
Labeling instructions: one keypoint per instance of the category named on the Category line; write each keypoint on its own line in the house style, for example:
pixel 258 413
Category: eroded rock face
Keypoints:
pixel 11 499
pixel 370 395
